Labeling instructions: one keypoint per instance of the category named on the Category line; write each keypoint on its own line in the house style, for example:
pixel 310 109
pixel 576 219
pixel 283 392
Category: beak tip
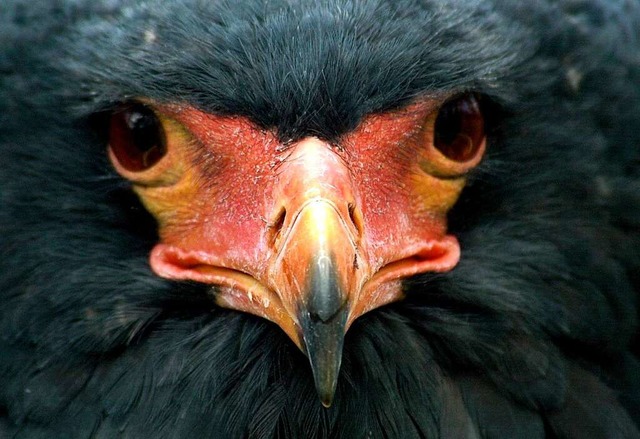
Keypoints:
pixel 323 346
pixel 325 374
pixel 326 384
pixel 326 390
pixel 326 400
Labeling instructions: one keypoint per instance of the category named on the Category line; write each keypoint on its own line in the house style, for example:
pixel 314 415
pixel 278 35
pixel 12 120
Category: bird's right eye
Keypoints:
pixel 136 137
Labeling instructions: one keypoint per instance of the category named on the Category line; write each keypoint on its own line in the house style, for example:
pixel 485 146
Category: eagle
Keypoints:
pixel 319 219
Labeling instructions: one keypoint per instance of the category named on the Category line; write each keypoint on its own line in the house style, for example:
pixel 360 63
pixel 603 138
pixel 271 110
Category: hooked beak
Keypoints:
pixel 316 265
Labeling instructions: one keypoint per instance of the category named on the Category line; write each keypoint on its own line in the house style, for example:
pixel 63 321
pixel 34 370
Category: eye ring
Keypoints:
pixel 136 137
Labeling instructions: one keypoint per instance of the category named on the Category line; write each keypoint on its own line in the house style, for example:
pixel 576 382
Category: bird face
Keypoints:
pixel 198 199
pixel 314 234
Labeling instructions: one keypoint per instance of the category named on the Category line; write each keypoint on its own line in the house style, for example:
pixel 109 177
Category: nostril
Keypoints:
pixel 275 227
pixel 356 218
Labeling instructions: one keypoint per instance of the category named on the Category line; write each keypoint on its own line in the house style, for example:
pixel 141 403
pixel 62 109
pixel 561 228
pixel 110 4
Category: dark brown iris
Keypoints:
pixel 136 137
pixel 459 129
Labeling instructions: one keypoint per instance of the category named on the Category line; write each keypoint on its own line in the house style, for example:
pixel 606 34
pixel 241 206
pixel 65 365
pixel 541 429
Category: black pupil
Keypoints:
pixel 448 124
pixel 144 128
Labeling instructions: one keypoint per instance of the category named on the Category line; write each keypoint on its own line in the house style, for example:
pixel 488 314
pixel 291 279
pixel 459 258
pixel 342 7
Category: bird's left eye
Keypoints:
pixel 454 137
pixel 459 129
pixel 136 137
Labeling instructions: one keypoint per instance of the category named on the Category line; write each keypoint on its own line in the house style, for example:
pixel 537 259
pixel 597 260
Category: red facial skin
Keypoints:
pixel 239 210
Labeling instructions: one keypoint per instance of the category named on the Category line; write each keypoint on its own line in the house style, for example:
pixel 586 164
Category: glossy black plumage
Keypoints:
pixel 533 335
